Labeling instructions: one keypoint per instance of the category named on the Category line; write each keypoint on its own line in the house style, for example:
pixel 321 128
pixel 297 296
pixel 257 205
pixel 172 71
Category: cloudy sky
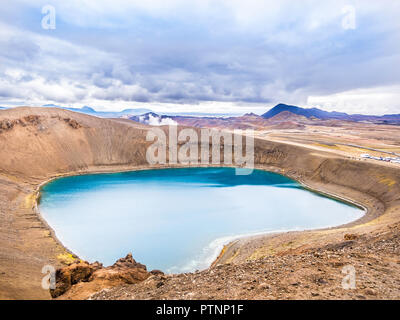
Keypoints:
pixel 201 55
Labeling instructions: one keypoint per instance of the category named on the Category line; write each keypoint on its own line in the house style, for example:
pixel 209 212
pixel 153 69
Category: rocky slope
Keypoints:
pixel 314 273
pixel 81 279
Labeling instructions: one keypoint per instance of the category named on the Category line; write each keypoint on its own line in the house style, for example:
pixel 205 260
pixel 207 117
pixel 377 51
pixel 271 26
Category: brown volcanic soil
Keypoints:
pixel 314 273
pixel 39 144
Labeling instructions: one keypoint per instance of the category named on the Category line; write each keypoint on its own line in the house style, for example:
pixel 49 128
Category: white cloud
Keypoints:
pixel 377 101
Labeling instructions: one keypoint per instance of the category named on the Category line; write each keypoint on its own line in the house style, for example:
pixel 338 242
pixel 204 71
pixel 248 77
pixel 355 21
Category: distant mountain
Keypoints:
pixel 325 115
pixel 103 114
pixel 308 113
pixel 280 113
pixel 391 116
pixel 247 121
pixel 251 114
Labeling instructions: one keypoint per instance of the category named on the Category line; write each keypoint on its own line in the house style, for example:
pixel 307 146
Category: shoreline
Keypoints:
pixel 233 239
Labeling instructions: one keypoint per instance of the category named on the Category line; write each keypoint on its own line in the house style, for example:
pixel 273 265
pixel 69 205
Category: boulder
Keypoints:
pixel 70 275
pixel 350 236
pixel 90 278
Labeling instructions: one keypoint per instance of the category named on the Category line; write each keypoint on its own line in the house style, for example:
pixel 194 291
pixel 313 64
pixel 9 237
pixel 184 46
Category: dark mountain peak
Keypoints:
pixel 280 108
pixel 306 112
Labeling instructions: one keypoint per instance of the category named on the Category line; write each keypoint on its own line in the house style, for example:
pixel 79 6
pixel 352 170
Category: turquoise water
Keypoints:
pixel 177 220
